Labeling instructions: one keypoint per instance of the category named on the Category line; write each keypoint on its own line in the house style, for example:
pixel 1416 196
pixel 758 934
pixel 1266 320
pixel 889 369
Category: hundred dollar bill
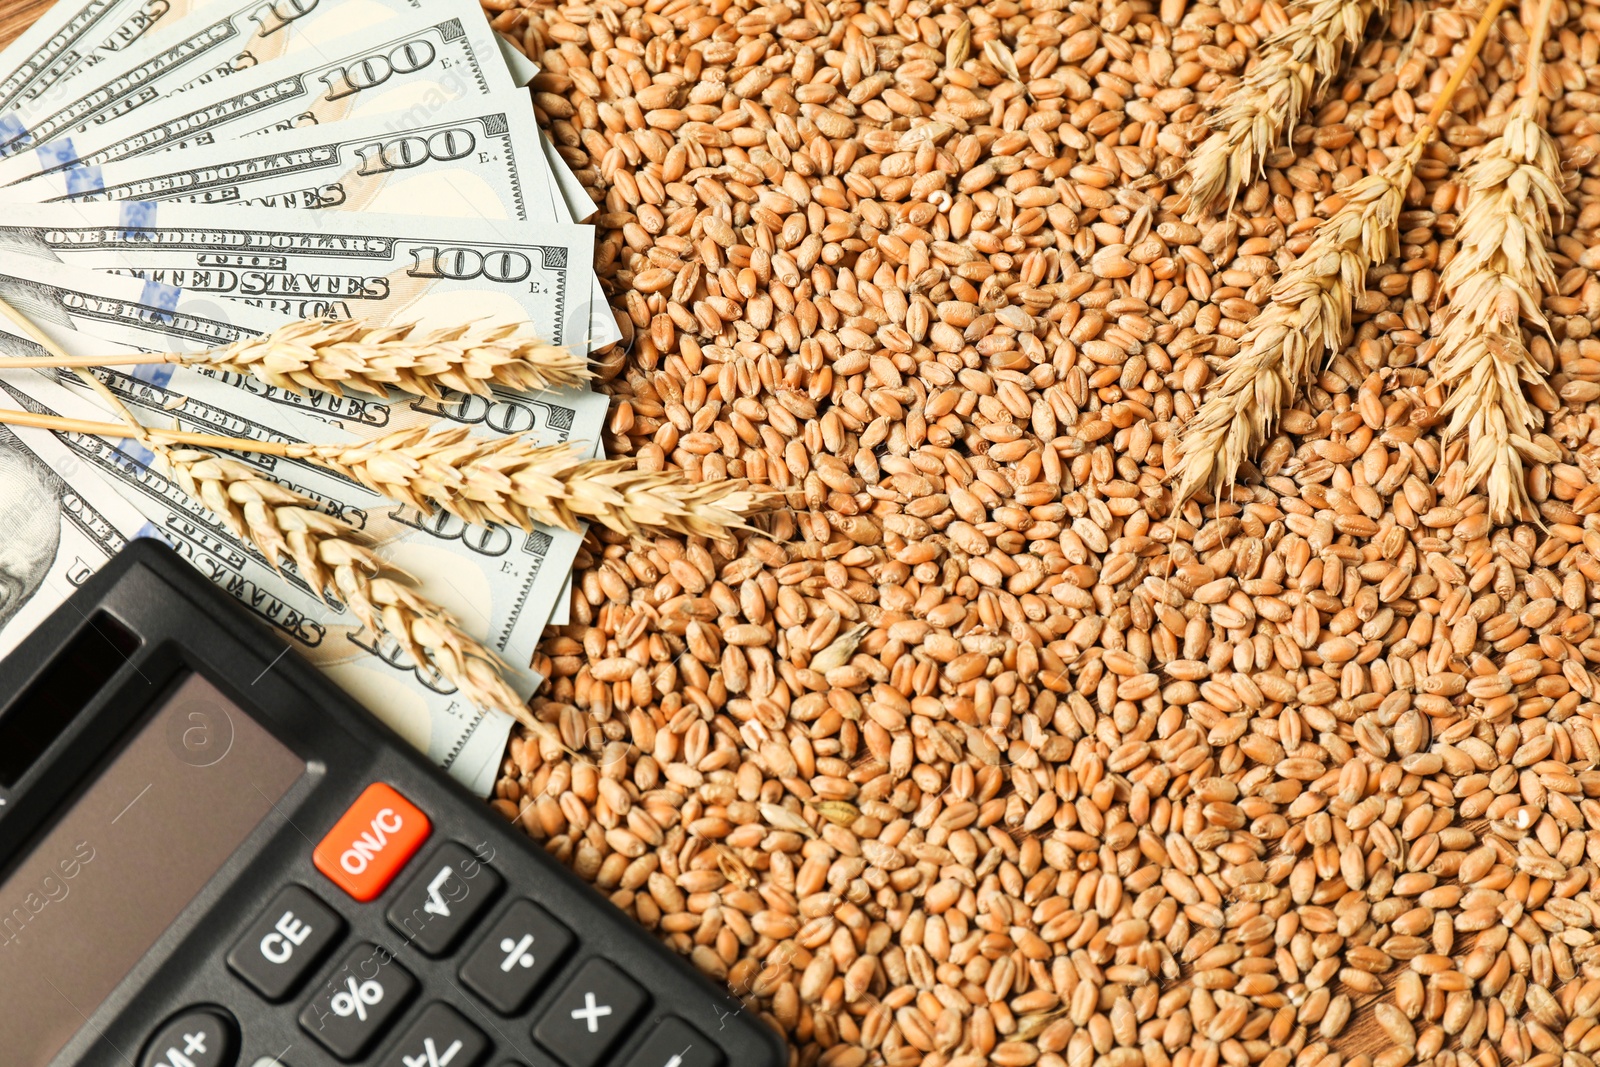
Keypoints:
pixel 381 268
pixel 218 39
pixel 510 578
pixel 419 704
pixel 416 64
pixel 72 37
pixel 304 170
pixel 468 162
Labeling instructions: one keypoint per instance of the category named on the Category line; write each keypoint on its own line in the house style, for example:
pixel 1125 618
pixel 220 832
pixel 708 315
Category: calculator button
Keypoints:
pixel 371 842
pixel 590 1014
pixel 515 957
pixel 199 1037
pixel 444 899
pixel 439 1038
pixel 676 1044
pixel 287 939
pixel 356 1003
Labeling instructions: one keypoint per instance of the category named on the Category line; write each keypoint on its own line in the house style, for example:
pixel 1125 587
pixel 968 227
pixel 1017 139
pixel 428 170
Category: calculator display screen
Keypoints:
pixel 97 890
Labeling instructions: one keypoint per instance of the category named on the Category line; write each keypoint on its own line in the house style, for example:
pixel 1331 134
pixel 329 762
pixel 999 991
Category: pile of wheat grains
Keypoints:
pixel 985 756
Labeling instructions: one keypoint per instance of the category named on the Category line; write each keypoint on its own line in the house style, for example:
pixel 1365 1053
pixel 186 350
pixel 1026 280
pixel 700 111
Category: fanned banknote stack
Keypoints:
pixel 182 175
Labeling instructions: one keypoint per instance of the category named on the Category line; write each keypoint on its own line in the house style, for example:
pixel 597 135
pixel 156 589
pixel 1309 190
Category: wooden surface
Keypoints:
pixel 18 15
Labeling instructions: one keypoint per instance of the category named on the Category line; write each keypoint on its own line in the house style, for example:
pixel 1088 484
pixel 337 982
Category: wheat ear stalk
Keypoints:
pixel 1293 69
pixel 1309 310
pixel 1494 285
pixel 332 355
pixel 57 355
pixel 331 557
pixel 511 480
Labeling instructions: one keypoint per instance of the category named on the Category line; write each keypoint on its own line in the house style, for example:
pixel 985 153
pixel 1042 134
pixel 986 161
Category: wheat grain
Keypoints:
pixel 1292 70
pixel 1495 282
pixel 335 354
pixel 331 558
pixel 1307 318
pixel 511 480
pixel 1329 653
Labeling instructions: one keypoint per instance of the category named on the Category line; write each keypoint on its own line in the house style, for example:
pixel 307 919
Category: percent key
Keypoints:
pixel 357 1002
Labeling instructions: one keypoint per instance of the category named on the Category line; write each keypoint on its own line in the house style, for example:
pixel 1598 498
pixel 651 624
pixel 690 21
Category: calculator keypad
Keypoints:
pixel 286 941
pixel 363 1003
pixel 444 900
pixel 358 1001
pixel 515 957
pixel 439 1038
pixel 592 1012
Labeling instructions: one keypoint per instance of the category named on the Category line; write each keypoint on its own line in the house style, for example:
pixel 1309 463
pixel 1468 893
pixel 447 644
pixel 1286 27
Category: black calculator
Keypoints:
pixel 211 857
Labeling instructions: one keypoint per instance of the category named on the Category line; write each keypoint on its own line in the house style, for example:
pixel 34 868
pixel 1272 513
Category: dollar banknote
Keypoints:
pixel 509 579
pixel 151 154
pixel 380 268
pixel 309 171
pixel 106 491
pixel 416 64
pixel 464 162
pixel 71 38
pixel 219 38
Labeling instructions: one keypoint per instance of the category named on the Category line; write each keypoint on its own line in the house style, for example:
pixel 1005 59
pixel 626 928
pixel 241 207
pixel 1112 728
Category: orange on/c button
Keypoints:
pixel 371 842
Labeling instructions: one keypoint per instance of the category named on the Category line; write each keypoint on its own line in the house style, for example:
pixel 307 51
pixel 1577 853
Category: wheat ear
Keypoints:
pixel 331 557
pixel 1494 284
pixel 1309 310
pixel 511 480
pixel 332 355
pixel 489 479
pixel 1293 68
pixel 1307 317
